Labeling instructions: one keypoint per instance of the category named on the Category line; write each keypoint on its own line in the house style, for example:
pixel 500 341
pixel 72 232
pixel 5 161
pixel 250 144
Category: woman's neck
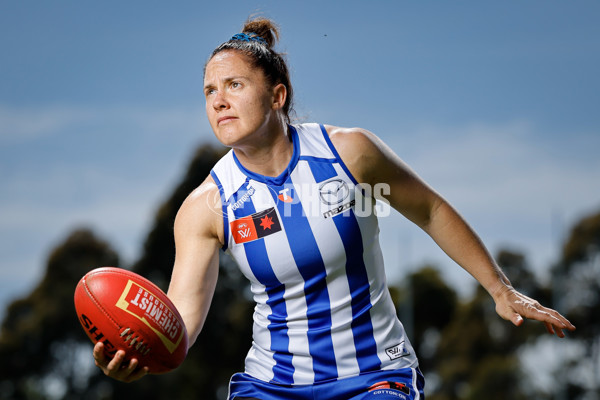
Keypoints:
pixel 269 155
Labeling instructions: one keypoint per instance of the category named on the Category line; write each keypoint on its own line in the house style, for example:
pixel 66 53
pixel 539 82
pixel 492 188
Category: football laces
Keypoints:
pixel 134 340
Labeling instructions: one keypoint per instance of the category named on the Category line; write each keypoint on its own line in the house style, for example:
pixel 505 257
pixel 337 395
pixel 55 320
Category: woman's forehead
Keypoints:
pixel 229 59
pixel 230 63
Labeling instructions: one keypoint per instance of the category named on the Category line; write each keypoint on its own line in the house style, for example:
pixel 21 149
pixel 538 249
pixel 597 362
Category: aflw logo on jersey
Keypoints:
pixel 255 226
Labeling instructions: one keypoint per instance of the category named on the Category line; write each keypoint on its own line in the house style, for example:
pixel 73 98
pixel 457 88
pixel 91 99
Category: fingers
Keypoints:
pixel 515 307
pixel 98 354
pixel 555 323
pixel 553 330
pixel 563 323
pixel 117 368
pixel 128 372
pixel 115 364
pixel 517 320
pixel 141 372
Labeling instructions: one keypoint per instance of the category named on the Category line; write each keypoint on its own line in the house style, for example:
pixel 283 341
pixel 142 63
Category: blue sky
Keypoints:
pixel 495 104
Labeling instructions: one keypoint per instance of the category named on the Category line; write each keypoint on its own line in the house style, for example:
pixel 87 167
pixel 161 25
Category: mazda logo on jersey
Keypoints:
pixel 333 191
pixel 255 226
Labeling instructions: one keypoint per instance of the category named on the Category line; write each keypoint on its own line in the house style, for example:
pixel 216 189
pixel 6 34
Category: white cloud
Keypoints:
pixel 22 125
pixel 504 169
pixel 26 124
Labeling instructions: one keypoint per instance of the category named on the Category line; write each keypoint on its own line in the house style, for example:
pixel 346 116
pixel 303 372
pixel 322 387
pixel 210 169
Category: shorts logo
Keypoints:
pixel 390 388
pixel 255 226
pixel 333 191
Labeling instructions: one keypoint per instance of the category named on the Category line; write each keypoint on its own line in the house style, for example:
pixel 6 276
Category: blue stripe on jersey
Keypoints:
pixel 322 169
pixel 258 260
pixel 224 210
pixel 337 156
pixel 318 159
pixel 307 255
pixel 356 271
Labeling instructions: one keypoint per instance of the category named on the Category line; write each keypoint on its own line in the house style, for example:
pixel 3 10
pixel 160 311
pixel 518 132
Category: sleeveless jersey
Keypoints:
pixel 308 242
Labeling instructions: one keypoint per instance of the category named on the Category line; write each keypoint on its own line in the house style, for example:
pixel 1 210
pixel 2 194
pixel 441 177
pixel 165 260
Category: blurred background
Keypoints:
pixel 495 104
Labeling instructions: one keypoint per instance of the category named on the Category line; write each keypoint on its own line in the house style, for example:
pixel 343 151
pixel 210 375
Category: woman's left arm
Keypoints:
pixel 372 162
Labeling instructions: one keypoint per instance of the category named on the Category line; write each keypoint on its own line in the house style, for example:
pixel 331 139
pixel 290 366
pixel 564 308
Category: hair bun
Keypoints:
pixel 263 27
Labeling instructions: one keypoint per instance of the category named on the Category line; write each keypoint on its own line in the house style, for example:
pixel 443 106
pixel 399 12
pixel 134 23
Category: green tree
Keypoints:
pixel 45 354
pixel 476 357
pixel 426 305
pixel 577 294
pixel 41 337
pixel 220 349
pixel 226 337
pixel 158 253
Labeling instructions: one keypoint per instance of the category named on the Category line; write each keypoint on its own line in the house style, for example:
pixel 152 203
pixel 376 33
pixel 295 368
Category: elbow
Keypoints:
pixel 431 214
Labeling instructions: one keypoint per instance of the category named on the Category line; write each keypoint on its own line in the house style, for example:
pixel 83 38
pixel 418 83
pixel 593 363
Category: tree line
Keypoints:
pixel 466 351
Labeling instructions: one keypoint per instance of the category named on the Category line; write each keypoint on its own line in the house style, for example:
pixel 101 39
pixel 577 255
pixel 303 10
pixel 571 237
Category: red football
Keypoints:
pixel 127 312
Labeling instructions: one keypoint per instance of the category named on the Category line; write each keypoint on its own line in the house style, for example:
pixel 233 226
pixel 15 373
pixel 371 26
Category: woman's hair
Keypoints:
pixel 256 41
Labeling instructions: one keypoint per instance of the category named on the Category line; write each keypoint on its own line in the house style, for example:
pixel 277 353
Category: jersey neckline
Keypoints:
pixel 281 178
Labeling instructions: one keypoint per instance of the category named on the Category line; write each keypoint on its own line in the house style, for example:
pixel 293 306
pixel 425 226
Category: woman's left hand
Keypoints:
pixel 515 306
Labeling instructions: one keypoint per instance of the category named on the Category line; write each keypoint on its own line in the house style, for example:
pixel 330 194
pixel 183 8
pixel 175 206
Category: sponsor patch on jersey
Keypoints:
pixel 339 209
pixel 255 226
pixel 397 351
pixel 285 195
pixel 335 197
pixel 240 203
pixel 333 192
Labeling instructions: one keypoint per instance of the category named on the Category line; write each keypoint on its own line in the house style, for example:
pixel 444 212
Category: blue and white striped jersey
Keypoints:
pixel 308 242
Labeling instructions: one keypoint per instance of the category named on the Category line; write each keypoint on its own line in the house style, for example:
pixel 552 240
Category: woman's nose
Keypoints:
pixel 220 102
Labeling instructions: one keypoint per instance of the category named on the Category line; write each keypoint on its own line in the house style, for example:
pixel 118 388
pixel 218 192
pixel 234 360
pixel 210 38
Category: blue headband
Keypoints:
pixel 248 37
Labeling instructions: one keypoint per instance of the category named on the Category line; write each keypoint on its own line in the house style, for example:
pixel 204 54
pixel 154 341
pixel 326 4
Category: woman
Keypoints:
pixel 291 203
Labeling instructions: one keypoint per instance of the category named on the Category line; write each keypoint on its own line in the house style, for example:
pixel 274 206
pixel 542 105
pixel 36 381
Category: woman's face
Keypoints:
pixel 240 104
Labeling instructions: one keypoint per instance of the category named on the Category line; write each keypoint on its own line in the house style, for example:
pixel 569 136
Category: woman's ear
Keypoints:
pixel 279 96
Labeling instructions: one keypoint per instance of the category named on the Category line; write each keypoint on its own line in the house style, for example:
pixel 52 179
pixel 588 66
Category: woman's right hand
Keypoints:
pixel 115 368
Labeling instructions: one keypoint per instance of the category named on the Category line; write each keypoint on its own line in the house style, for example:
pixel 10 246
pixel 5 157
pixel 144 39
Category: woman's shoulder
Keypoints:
pixel 350 137
pixel 359 148
pixel 201 211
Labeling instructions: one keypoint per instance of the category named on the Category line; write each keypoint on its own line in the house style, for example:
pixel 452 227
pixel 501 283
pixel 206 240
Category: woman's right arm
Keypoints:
pixel 198 237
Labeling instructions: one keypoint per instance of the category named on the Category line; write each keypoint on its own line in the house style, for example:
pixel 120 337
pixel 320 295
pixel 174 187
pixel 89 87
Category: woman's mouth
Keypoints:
pixel 225 120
